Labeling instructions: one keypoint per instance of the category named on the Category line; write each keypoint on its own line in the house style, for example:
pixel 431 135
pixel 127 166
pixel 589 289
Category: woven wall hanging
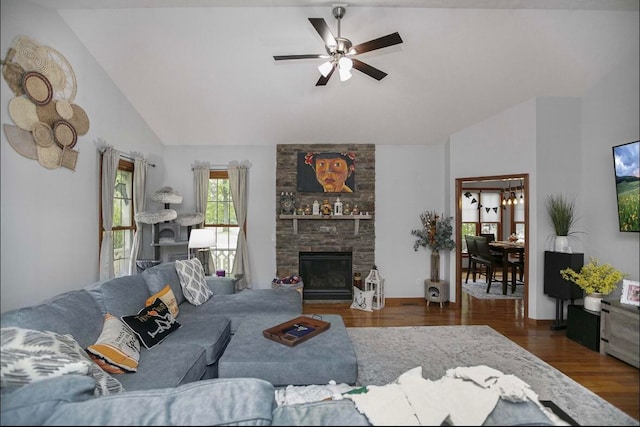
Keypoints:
pixel 46 121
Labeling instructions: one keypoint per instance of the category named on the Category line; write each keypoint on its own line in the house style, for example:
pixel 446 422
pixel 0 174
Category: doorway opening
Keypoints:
pixel 502 209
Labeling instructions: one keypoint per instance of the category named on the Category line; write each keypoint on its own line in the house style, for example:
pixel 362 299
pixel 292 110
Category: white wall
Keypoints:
pixel 401 195
pixel 610 116
pixel 261 217
pixel 409 180
pixel 49 218
pixel 565 146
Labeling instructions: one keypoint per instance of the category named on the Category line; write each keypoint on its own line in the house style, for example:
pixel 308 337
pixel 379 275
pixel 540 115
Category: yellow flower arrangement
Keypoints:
pixel 595 277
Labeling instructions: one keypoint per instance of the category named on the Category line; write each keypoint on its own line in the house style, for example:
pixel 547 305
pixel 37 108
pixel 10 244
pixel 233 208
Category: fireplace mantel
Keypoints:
pixel 355 218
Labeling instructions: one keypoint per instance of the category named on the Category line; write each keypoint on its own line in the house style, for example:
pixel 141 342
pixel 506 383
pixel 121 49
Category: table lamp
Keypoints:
pixel 202 239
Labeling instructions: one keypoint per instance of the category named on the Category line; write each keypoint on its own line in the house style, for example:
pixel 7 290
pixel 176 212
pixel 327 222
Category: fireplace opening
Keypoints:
pixel 326 275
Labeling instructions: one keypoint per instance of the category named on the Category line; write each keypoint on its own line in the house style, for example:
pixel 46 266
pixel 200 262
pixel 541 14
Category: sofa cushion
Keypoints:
pixel 117 350
pixel 157 277
pixel 325 413
pixel 60 314
pixel 167 365
pixel 255 302
pixel 26 344
pixel 152 324
pixel 35 402
pixel 213 338
pixel 194 286
pixel 121 296
pixel 242 401
pixel 28 358
pixel 167 296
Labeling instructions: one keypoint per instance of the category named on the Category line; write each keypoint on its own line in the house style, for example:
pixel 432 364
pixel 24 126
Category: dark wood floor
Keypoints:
pixel 613 380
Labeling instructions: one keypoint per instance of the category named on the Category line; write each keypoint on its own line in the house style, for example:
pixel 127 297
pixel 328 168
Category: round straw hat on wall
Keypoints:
pixel 23 113
pixel 42 134
pixel 64 134
pixel 22 141
pixel 37 87
pixel 12 73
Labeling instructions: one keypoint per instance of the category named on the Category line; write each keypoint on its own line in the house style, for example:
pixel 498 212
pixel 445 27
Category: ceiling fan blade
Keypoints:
pixel 379 43
pixel 322 81
pixel 368 69
pixel 310 56
pixel 323 29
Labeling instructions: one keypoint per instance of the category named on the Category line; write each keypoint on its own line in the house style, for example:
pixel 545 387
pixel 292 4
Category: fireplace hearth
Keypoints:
pixel 326 275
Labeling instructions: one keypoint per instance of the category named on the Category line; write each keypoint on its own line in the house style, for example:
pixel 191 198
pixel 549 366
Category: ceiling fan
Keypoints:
pixel 340 50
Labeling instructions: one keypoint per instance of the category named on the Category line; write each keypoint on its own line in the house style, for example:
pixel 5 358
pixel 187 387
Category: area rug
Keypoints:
pixel 385 353
pixel 479 290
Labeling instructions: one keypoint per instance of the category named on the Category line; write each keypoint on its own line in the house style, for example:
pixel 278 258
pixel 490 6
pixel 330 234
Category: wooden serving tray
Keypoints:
pixel 295 331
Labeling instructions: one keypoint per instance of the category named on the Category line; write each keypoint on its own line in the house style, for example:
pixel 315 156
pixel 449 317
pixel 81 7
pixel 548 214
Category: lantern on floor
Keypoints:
pixel 374 282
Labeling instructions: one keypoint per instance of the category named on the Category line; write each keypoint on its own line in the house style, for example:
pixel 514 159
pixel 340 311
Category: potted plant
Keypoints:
pixel 597 280
pixel 561 212
pixel 436 234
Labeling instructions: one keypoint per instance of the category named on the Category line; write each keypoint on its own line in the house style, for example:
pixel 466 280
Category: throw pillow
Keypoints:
pixel 167 296
pixel 194 286
pixel 117 349
pixel 362 300
pixel 29 355
pixel 152 324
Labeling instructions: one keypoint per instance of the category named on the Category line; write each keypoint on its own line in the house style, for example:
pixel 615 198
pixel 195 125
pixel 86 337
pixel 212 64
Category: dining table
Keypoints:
pixel 507 247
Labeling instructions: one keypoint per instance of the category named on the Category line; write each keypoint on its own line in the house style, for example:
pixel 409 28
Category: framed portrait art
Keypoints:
pixel 326 172
pixel 630 292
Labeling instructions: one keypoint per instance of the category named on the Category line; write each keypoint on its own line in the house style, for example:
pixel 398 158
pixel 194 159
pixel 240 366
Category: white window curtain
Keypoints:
pixel 110 159
pixel 139 197
pixel 201 187
pixel 238 186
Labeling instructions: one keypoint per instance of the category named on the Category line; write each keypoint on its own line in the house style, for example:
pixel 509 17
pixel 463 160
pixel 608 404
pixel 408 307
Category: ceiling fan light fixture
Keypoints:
pixel 325 68
pixel 345 64
pixel 344 74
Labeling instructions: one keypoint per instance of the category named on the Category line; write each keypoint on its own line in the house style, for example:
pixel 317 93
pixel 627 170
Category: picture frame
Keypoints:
pixel 326 172
pixel 630 292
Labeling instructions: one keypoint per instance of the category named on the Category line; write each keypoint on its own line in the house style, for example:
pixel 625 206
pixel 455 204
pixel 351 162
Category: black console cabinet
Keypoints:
pixel 555 286
pixel 583 326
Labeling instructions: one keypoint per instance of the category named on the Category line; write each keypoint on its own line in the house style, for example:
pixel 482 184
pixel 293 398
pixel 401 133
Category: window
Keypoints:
pixel 124 225
pixel 221 216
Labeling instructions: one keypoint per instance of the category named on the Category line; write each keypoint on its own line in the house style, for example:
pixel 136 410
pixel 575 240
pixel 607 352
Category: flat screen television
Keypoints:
pixel 625 163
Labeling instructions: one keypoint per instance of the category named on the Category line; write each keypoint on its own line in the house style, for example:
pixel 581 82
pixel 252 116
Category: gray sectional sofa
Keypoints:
pixel 176 382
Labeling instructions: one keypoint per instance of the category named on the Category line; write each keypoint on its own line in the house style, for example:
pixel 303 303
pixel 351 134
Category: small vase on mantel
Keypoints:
pixel 593 302
pixel 435 265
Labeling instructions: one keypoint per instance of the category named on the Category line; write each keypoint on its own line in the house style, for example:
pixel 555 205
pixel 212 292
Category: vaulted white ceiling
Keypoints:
pixel 202 72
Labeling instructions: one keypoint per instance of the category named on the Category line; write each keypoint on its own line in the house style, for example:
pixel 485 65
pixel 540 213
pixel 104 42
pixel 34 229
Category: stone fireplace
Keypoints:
pixel 326 275
pixel 304 249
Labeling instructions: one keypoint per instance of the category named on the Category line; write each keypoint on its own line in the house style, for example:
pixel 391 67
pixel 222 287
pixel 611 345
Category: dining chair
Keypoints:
pixel 485 257
pixel 517 269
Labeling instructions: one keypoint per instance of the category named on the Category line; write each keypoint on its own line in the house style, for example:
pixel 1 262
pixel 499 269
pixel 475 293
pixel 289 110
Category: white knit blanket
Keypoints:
pixel 464 396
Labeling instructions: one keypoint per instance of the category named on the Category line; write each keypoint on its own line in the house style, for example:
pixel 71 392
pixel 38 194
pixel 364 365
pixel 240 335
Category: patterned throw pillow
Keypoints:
pixel 29 355
pixel 167 296
pixel 153 323
pixel 362 300
pixel 194 286
pixel 117 349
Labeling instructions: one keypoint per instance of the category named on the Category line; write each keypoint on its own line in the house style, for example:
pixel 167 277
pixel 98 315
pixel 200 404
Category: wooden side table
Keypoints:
pixel 436 291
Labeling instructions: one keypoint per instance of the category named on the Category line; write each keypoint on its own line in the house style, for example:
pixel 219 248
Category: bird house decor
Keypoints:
pixel 375 282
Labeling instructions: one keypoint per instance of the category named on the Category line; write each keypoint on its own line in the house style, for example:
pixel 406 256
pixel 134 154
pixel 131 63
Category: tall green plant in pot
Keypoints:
pixel 562 217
